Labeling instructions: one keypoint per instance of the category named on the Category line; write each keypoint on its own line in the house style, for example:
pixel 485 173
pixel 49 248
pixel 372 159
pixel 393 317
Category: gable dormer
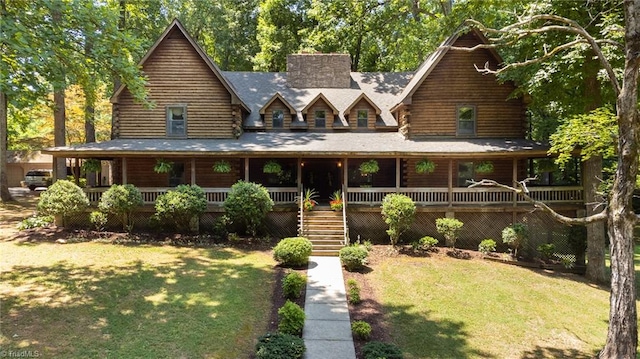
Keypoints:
pixel 319 113
pixel 277 113
pixel 448 97
pixel 362 113
pixel 191 97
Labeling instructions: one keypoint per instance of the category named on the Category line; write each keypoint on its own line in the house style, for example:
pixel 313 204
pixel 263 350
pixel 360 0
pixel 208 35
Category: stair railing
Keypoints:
pixel 301 205
pixel 344 219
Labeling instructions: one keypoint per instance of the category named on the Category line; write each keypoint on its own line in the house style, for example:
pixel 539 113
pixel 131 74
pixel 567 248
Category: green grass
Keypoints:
pixel 94 300
pixel 440 307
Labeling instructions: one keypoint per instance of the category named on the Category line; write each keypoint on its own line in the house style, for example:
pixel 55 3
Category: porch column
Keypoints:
pixel 299 173
pixel 450 182
pixel 397 174
pixel 345 175
pixel 124 170
pixel 515 180
pixel 246 169
pixel 193 171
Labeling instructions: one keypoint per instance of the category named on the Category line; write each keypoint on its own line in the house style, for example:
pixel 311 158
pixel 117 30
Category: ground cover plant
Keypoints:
pixel 96 300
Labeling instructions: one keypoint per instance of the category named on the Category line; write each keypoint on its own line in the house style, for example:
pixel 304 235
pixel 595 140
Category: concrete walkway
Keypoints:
pixel 327 327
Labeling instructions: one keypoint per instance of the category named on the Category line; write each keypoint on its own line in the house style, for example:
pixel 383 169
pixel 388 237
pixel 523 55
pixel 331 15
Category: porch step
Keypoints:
pixel 325 230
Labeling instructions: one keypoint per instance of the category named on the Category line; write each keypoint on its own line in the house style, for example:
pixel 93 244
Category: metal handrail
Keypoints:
pixel 301 231
pixel 344 219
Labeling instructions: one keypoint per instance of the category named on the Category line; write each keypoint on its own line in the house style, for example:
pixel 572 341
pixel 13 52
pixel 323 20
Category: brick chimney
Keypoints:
pixel 319 70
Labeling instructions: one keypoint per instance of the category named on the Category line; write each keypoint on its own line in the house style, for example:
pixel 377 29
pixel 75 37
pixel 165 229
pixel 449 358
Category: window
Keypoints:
pixel 321 119
pixel 278 119
pixel 466 120
pixel 465 172
pixel 363 118
pixel 177 121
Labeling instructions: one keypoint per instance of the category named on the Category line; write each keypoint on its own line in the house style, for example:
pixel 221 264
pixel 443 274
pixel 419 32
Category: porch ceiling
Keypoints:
pixel 317 144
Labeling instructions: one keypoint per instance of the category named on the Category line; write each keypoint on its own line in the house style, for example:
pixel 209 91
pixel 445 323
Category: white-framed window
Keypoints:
pixel 320 117
pixel 363 118
pixel 177 120
pixel 466 171
pixel 278 118
pixel 466 120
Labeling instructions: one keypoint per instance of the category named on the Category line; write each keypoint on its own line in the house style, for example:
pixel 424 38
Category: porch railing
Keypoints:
pixel 215 196
pixel 459 196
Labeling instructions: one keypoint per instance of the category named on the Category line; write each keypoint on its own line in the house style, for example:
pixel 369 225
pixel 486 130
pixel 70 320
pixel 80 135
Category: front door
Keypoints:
pixel 323 175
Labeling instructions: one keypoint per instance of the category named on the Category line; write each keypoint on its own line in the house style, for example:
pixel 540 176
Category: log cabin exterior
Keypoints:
pixel 320 121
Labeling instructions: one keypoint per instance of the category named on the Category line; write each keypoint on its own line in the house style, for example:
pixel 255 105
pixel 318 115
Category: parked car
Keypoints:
pixel 38 178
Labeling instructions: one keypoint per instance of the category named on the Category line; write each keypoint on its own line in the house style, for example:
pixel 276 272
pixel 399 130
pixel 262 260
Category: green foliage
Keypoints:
pixel 380 350
pixel 98 219
pixel 121 201
pixel 425 166
pixel 361 329
pixel 336 202
pixel 369 167
pixel 293 284
pixel 354 257
pixel 35 222
pixel 398 212
pixel 182 207
pixel 309 199
pixel 487 246
pixel 221 166
pixel 162 166
pixel 280 346
pixel 547 250
pixel 484 167
pixel 515 236
pixel 247 206
pixel 91 165
pixel 293 251
pixel 63 198
pixel 426 243
pixel 449 228
pixel 353 291
pixel 291 318
pixel 272 167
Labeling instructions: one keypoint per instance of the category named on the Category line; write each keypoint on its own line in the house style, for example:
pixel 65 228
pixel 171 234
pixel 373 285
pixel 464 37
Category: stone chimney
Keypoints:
pixel 319 70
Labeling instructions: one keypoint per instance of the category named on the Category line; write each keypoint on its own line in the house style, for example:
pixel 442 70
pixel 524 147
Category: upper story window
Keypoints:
pixel 363 118
pixel 278 119
pixel 466 120
pixel 321 119
pixel 177 120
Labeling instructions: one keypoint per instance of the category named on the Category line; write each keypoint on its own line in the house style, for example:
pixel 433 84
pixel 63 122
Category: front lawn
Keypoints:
pixel 97 300
pixel 441 307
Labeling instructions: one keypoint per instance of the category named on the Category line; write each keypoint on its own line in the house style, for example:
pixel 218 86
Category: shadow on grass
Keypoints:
pixel 204 305
pixel 546 352
pixel 426 338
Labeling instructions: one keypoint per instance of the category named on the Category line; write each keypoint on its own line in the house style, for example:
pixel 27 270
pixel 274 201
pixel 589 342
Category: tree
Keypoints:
pixel 622 335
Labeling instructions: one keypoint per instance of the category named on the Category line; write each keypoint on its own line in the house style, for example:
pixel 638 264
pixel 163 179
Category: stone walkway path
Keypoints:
pixel 327 327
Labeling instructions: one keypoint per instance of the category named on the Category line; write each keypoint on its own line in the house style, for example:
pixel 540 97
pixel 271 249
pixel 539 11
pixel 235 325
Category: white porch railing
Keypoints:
pixel 458 196
pixel 215 196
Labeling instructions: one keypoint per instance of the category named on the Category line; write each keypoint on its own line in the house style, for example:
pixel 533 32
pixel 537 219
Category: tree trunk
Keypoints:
pixel 622 336
pixel 59 131
pixel 122 24
pixel 5 196
pixel 596 268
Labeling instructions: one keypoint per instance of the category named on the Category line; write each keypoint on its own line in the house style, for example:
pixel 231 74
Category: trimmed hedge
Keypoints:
pixel 293 251
pixel 279 346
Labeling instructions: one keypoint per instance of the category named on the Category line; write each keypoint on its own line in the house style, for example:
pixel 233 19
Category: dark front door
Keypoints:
pixel 323 175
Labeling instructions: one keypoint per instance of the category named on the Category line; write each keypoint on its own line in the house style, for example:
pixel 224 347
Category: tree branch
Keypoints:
pixel 524 191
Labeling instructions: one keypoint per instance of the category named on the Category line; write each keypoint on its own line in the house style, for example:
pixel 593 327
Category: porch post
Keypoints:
pixel 397 174
pixel 299 173
pixel 450 182
pixel 246 169
pixel 124 170
pixel 515 180
pixel 345 174
pixel 193 171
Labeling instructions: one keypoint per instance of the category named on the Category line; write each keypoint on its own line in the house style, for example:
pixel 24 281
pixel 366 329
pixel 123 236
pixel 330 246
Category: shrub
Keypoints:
pixel 182 207
pixel 361 329
pixel 121 200
pixel 515 236
pixel 353 291
pixel 291 318
pixel 98 219
pixel 279 345
pixel 35 222
pixel 425 243
pixel 449 228
pixel 487 246
pixel 293 251
pixel 380 350
pixel 546 250
pixel 247 206
pixel 354 257
pixel 292 285
pixel 63 199
pixel 398 212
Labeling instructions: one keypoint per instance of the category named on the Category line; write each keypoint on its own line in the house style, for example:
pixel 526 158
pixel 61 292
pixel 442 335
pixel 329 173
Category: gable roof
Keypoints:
pixel 366 98
pixel 176 25
pixel 277 96
pixel 316 99
pixel 434 59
